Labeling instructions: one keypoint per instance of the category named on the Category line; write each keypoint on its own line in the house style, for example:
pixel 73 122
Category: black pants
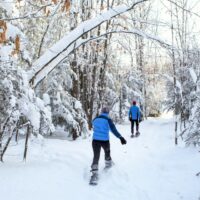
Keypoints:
pixel 132 125
pixel 96 145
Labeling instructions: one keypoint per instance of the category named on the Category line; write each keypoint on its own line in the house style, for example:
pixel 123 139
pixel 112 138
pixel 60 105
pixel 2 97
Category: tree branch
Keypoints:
pixel 65 53
pixel 176 4
pixel 29 15
pixel 52 57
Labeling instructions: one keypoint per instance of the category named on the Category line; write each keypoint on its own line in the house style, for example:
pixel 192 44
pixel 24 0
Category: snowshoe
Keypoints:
pixel 94 179
pixel 137 134
pixel 108 164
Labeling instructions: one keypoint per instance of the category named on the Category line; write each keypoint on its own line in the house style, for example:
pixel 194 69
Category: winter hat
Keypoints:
pixel 134 102
pixel 105 110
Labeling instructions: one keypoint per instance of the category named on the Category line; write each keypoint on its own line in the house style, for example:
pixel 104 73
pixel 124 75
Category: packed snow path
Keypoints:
pixel 149 167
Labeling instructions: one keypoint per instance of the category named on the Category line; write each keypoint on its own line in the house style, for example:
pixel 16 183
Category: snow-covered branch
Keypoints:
pixel 193 75
pixel 29 15
pixel 142 34
pixel 171 79
pixel 53 56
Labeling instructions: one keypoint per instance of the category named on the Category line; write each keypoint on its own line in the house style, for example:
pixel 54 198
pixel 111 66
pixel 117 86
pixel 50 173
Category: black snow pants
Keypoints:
pixel 132 125
pixel 96 145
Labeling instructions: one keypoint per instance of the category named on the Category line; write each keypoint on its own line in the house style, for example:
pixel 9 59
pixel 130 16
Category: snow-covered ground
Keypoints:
pixel 149 167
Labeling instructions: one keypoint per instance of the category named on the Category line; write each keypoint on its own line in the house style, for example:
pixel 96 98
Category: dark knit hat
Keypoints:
pixel 134 102
pixel 105 110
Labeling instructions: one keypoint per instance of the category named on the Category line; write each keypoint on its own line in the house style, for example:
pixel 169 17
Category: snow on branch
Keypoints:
pixel 29 15
pixel 81 42
pixel 171 80
pixel 141 34
pixel 58 52
pixel 133 31
pixel 193 74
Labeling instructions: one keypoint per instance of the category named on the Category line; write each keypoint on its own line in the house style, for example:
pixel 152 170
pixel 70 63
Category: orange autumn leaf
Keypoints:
pixel 55 1
pixel 66 5
pixel 3 28
pixel 17 43
pixel 17 46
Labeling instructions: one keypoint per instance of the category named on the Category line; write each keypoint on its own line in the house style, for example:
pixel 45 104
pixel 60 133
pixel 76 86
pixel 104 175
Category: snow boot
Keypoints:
pixel 108 164
pixel 94 177
pixel 137 133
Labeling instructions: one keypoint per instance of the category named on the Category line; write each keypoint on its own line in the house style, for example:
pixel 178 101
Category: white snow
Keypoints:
pixel 171 79
pixel 46 99
pixel 193 74
pixel 5 52
pixel 149 167
pixel 13 31
pixel 77 105
pixel 8 6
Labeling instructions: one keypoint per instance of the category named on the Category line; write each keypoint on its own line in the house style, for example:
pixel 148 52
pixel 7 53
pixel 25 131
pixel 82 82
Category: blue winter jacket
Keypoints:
pixel 134 113
pixel 101 127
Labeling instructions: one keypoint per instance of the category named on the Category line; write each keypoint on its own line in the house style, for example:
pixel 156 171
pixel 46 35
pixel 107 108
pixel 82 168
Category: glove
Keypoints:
pixel 123 141
pixel 130 119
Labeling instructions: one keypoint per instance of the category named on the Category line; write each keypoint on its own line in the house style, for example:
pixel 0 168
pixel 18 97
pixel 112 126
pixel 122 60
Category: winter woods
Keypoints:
pixel 62 60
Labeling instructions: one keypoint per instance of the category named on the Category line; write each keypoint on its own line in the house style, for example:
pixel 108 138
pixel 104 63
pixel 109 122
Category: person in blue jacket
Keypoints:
pixel 101 127
pixel 134 117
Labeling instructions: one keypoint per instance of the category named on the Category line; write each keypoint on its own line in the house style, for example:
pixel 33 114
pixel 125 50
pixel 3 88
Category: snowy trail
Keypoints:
pixel 149 167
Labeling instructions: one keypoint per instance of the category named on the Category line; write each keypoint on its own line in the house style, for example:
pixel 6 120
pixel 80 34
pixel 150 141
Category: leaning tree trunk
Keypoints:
pixel 175 89
pixel 11 129
pixel 26 141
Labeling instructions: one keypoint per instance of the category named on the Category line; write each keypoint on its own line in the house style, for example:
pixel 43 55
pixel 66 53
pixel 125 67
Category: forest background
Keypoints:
pixel 61 61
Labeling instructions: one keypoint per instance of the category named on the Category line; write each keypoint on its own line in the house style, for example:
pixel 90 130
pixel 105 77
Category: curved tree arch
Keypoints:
pixel 58 52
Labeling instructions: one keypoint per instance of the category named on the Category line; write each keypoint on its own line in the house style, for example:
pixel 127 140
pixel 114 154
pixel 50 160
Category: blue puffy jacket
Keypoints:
pixel 101 127
pixel 134 113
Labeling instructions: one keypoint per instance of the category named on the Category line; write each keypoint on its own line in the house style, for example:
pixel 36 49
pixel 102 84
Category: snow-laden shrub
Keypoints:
pixel 17 95
pixel 193 127
pixel 67 111
pixel 19 106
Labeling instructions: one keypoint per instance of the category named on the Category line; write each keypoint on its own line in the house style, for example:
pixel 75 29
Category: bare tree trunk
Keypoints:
pixel 17 133
pixel 26 141
pixel 75 86
pixel 11 130
pixel 93 92
pixel 85 88
pixel 139 44
pixel 75 92
pixel 2 131
pixel 102 78
pixel 174 75
pixel 42 40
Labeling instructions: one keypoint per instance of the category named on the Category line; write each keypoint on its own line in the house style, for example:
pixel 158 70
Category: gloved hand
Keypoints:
pixel 123 141
pixel 130 119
